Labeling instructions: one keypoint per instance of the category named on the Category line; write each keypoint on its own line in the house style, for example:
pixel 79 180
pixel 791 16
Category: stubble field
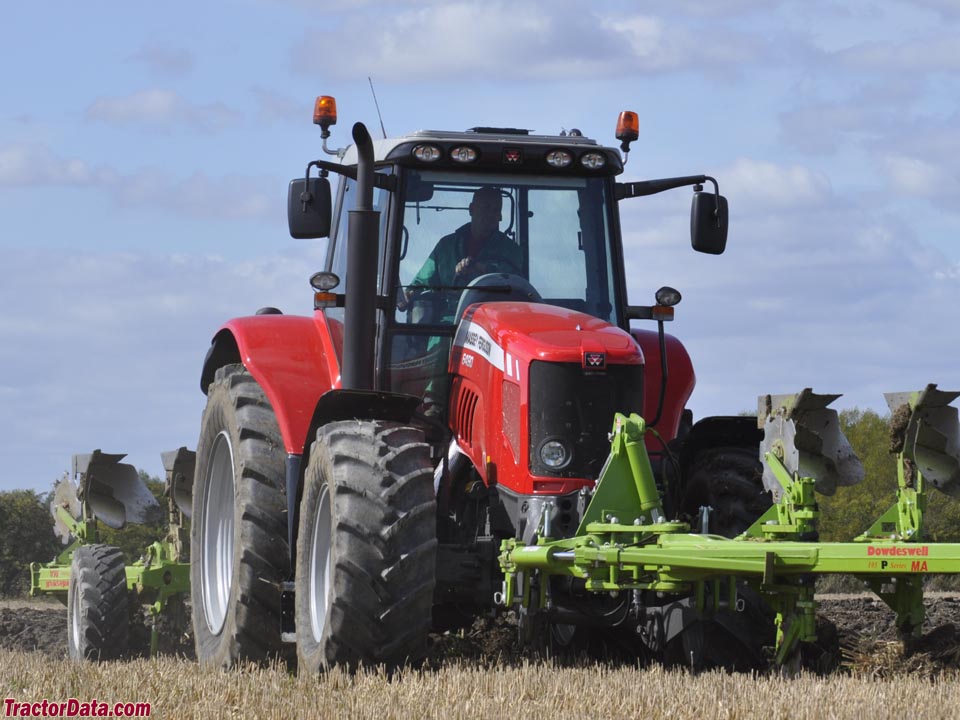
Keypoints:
pixel 480 675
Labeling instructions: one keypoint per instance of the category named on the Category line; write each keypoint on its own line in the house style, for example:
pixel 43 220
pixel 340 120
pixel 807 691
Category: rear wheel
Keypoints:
pixel 728 480
pixel 366 552
pixel 238 535
pixel 98 624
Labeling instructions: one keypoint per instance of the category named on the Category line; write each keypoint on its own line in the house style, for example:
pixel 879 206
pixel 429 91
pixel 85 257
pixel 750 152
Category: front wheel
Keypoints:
pixel 366 552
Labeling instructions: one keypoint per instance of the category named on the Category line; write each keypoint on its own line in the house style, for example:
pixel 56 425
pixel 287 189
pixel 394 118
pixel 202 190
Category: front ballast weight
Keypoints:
pixel 100 591
pixel 625 545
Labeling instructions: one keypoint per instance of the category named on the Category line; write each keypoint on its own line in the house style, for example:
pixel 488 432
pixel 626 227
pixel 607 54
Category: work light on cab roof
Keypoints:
pixel 427 153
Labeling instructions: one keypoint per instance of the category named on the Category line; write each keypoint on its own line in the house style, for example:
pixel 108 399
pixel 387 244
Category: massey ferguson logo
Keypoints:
pixel 595 360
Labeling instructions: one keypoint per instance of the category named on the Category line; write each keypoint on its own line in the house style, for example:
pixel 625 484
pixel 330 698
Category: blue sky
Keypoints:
pixel 145 151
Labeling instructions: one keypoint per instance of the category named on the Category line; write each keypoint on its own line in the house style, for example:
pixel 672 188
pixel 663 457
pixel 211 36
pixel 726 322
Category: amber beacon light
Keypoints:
pixel 628 129
pixel 325 111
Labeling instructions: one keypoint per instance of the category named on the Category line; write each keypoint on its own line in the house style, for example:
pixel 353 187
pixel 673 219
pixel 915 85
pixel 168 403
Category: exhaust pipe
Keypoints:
pixel 361 291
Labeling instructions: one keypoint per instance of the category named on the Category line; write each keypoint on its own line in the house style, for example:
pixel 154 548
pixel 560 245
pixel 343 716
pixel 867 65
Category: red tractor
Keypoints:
pixel 357 469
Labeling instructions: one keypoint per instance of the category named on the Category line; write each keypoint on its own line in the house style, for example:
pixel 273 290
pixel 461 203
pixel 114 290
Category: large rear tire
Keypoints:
pixel 238 535
pixel 366 552
pixel 98 621
pixel 728 479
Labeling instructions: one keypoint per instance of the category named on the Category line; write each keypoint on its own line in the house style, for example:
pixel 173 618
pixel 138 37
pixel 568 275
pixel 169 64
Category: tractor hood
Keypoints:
pixel 509 335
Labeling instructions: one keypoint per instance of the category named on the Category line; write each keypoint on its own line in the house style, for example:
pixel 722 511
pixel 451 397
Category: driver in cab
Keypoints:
pixel 474 249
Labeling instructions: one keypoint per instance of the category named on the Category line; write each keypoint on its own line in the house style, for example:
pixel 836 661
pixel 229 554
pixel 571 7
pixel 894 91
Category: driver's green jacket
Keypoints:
pixel 498 254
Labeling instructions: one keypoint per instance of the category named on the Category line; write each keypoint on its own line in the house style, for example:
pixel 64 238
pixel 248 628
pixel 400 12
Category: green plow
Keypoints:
pixel 624 544
pixel 101 489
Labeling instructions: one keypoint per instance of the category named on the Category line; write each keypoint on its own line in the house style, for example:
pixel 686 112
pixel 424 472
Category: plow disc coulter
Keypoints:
pixel 672 575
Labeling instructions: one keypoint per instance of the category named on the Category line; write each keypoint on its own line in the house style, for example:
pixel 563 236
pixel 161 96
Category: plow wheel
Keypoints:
pixel 366 552
pixel 98 623
pixel 729 481
pixel 238 534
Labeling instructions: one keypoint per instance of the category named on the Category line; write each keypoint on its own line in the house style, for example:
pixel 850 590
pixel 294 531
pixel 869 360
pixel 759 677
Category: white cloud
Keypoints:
pixel 28 164
pixel 760 184
pixel 157 108
pixel 914 176
pixel 197 195
pixel 504 42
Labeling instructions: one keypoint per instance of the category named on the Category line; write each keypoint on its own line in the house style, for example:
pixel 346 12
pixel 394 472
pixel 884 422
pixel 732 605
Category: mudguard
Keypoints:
pixel 680 382
pixel 295 360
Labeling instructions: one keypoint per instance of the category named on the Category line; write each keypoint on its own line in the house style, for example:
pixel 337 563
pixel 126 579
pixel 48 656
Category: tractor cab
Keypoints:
pixel 484 215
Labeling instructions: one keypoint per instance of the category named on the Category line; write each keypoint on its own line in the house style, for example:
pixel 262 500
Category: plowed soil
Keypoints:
pixel 868 637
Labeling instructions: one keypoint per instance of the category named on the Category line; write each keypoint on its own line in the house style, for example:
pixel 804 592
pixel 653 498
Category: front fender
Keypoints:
pixel 293 358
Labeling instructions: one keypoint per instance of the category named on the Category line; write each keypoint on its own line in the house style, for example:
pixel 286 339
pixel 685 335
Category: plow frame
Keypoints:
pixel 158 577
pixel 625 545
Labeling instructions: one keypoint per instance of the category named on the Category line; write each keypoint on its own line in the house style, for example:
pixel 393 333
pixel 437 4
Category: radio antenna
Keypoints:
pixel 374 92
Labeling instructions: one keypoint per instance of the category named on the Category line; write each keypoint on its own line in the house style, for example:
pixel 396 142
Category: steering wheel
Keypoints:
pixel 497 287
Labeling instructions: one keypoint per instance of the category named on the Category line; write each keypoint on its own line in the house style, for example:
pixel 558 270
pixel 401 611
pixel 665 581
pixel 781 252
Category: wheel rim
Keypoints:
pixel 216 552
pixel 75 621
pixel 320 566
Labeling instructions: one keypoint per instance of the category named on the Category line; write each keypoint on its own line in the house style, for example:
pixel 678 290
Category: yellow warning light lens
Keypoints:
pixel 325 111
pixel 559 158
pixel 324 300
pixel 660 312
pixel 628 126
pixel 426 153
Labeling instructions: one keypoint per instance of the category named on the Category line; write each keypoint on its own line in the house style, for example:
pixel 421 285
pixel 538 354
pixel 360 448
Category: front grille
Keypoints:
pixel 576 406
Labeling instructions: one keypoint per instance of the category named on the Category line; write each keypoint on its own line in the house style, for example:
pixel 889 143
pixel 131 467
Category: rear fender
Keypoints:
pixel 293 358
pixel 680 382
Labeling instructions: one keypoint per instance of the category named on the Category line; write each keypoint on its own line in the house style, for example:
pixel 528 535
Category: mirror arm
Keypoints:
pixel 652 187
pixel 639 312
pixel 384 182
pixel 716 191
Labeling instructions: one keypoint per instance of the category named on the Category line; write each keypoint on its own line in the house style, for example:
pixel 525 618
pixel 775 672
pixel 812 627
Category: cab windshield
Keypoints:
pixel 550 232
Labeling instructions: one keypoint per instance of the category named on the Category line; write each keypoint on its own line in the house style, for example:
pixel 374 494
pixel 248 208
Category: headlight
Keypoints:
pixel 426 153
pixel 555 455
pixel 593 161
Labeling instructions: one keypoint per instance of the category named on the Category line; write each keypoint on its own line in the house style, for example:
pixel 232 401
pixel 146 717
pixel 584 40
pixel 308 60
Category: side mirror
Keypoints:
pixel 708 223
pixel 308 208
